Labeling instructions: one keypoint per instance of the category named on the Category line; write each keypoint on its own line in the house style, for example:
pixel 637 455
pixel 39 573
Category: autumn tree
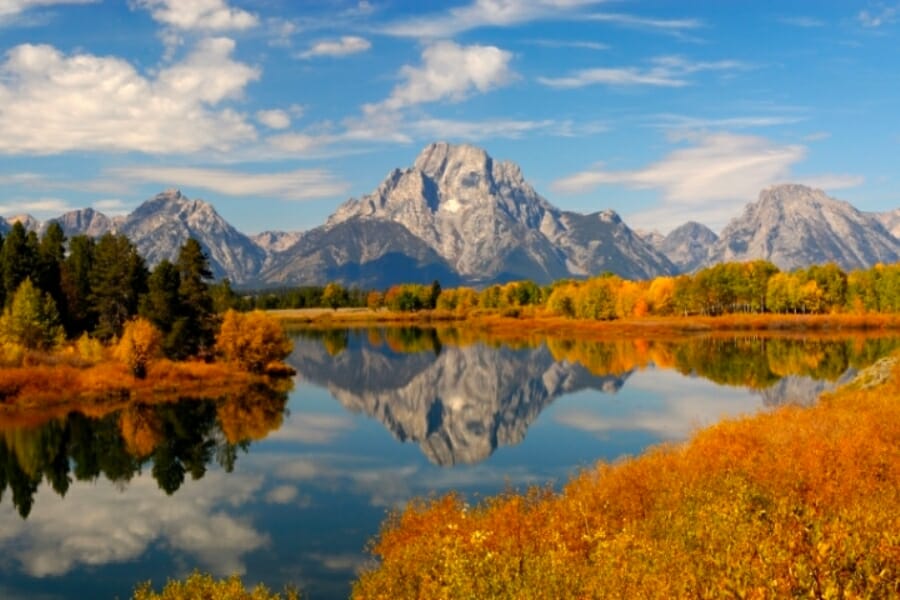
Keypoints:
pixel 334 296
pixel 31 319
pixel 252 340
pixel 140 343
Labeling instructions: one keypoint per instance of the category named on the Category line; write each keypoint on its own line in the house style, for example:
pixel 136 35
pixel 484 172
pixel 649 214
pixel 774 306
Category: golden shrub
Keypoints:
pixel 201 586
pixel 141 342
pixel 252 340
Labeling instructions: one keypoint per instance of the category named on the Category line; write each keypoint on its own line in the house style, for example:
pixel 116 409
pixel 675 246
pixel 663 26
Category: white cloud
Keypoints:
pixel 580 44
pixel 485 13
pixel 450 72
pixel 274 119
pixel 312 428
pixel 99 524
pixel 12 8
pixel 301 184
pixel 112 206
pixel 202 15
pixel 708 180
pixel 883 15
pixel 802 21
pixel 683 406
pixel 670 121
pixel 52 103
pixel 348 44
pixel 666 71
pixel 449 129
pixel 282 494
pixel 41 207
pixel 668 25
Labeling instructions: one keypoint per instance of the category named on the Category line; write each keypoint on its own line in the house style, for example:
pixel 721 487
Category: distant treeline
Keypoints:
pixel 727 288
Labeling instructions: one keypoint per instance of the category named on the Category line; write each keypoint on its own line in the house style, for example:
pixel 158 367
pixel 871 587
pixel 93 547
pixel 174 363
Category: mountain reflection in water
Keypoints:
pixel 149 490
pixel 460 397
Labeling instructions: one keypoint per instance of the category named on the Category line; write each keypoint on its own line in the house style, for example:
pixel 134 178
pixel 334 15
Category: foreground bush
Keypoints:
pixel 141 342
pixel 203 587
pixel 252 340
pixel 793 503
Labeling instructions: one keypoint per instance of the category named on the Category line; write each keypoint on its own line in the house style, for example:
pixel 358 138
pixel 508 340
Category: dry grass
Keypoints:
pixel 793 503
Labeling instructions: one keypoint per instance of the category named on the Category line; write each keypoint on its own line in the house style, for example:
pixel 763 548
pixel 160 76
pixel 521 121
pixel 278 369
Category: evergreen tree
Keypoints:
pixel 162 304
pixel 118 277
pixel 76 286
pixel 194 329
pixel 51 254
pixel 18 260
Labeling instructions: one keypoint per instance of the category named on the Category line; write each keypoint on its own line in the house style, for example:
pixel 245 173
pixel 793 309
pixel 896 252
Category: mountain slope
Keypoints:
pixel 795 226
pixel 161 225
pixel 359 252
pixel 490 225
pixel 85 221
pixel 688 246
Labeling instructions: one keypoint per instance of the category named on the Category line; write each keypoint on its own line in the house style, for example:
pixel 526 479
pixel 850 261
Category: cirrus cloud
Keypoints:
pixel 709 180
pixel 301 184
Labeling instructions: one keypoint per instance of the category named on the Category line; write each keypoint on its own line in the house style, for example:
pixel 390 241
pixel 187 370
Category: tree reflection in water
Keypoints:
pixel 176 437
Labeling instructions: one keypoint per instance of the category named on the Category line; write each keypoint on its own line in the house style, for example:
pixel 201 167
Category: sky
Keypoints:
pixel 277 111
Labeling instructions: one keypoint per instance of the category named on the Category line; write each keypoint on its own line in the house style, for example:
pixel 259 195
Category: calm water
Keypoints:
pixel 289 487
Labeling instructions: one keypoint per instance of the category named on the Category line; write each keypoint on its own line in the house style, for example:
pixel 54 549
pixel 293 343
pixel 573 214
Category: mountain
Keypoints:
pixel 367 253
pixel 276 241
pixel 4 226
pixel 687 246
pixel 161 225
pixel 86 221
pixel 29 222
pixel 489 224
pixel 796 226
pixel 890 220
pixel 458 405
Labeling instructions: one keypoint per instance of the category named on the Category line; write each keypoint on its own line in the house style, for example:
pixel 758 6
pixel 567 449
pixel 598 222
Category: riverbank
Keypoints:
pixel 536 323
pixel 796 502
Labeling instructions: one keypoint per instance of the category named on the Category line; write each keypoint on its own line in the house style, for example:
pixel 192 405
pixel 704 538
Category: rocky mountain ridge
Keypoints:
pixel 459 216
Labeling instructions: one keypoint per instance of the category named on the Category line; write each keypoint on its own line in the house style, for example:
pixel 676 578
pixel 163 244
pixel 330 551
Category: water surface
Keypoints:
pixel 289 487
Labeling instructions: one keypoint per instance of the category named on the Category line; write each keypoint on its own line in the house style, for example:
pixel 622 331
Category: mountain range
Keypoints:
pixel 461 217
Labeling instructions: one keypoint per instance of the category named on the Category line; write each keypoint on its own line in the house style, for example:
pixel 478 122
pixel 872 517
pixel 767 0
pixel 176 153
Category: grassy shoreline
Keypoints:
pixel 799 502
pixel 536 323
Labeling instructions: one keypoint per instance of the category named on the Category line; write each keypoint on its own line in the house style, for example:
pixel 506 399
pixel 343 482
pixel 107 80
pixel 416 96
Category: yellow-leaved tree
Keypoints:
pixel 252 340
pixel 141 342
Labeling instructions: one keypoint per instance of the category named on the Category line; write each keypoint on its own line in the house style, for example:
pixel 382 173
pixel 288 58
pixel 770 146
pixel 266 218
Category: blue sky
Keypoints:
pixel 276 111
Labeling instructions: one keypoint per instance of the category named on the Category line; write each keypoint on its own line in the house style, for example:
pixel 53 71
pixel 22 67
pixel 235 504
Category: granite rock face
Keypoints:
pixel 796 226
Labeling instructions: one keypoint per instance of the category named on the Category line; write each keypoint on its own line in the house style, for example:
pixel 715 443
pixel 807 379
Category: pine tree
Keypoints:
pixel 118 277
pixel 194 329
pixel 162 303
pixel 51 254
pixel 76 286
pixel 18 260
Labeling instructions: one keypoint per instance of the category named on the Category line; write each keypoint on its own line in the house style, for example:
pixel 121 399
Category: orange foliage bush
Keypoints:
pixel 252 340
pixel 793 503
pixel 140 343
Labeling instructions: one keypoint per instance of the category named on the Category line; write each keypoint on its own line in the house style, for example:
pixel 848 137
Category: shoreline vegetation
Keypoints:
pixel 794 502
pixel 536 323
